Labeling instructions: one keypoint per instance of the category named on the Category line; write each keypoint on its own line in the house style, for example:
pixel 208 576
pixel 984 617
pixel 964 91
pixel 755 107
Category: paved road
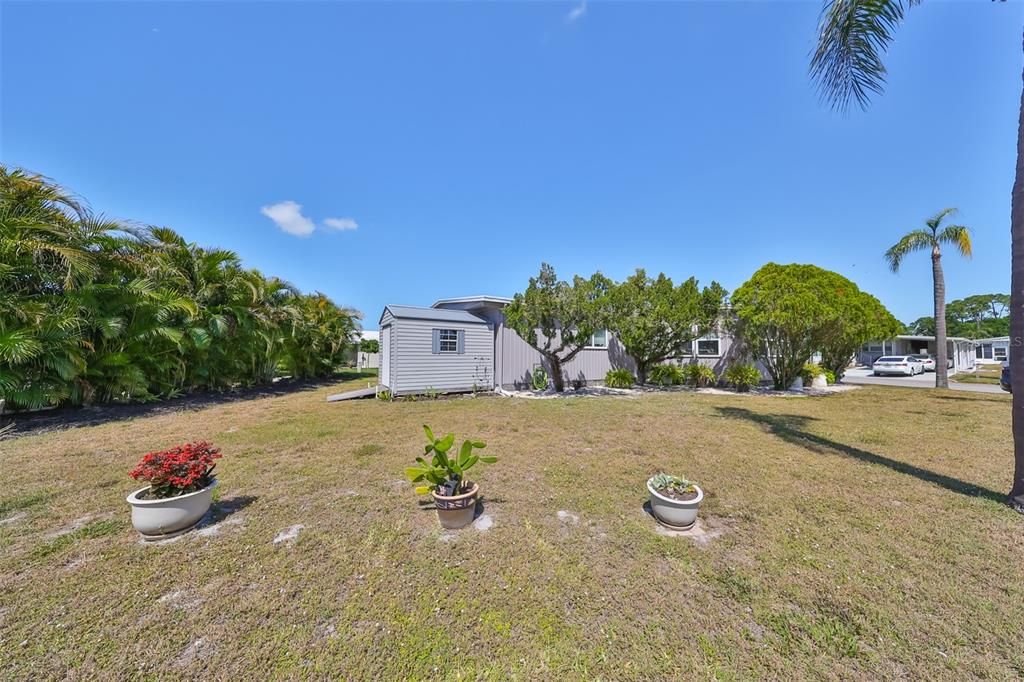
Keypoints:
pixel 926 380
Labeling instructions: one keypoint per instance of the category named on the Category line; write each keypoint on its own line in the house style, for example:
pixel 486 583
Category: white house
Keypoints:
pixel 992 351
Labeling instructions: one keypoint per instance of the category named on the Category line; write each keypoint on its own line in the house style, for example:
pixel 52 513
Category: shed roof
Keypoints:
pixel 435 314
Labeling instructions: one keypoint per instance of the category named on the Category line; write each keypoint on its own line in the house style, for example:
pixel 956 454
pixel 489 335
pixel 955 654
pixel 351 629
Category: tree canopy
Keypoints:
pixel 558 318
pixel 786 313
pixel 654 319
pixel 974 317
pixel 93 310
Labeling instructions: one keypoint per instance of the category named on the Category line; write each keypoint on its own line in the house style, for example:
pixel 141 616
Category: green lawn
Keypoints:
pixel 980 376
pixel 855 536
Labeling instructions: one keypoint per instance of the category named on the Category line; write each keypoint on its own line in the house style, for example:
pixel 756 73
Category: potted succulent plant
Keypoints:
pixel 674 500
pixel 444 477
pixel 180 489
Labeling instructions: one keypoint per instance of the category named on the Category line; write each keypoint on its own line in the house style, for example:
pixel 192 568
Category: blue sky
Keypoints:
pixel 458 145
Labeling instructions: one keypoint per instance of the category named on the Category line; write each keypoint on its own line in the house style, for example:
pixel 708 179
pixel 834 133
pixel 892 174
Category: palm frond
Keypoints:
pixel 935 221
pixel 917 240
pixel 959 237
pixel 853 36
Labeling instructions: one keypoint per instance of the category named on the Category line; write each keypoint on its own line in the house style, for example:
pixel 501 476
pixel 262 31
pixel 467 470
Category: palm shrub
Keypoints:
pixel 539 379
pixel 742 376
pixel 618 378
pixel 98 311
pixel 699 375
pixel 830 377
pixel 810 371
pixel 667 375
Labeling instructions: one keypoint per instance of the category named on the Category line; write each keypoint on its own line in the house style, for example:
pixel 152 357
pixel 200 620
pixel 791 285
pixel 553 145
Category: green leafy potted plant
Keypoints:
pixel 180 489
pixel 674 500
pixel 444 478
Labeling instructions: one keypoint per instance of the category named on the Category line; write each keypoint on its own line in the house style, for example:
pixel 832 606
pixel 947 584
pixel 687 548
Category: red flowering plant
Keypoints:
pixel 181 470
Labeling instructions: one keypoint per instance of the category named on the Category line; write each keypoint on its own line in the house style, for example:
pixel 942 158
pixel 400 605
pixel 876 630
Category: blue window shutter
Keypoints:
pixel 436 334
pixel 462 341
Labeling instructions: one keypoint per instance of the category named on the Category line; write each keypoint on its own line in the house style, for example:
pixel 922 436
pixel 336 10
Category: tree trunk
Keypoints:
pixel 641 373
pixel 1017 315
pixel 557 380
pixel 941 355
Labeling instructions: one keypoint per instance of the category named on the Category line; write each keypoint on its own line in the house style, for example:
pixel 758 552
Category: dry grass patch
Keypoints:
pixel 857 542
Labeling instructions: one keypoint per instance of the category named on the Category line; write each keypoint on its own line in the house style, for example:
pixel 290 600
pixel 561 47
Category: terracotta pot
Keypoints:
pixel 675 514
pixel 458 510
pixel 157 518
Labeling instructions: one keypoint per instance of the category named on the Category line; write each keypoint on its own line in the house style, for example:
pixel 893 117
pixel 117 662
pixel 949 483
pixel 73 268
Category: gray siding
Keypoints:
pixel 416 368
pixel 518 359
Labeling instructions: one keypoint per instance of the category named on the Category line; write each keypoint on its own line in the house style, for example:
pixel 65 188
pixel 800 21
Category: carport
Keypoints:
pixel 959 350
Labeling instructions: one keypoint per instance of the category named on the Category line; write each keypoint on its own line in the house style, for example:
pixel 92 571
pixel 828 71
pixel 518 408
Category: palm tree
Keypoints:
pixel 847 65
pixel 932 239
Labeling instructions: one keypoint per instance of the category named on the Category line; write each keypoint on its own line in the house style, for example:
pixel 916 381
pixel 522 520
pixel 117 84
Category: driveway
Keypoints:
pixel 862 375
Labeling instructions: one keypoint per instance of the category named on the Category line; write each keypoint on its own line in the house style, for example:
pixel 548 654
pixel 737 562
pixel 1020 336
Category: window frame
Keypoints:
pixel 1000 353
pixel 441 341
pixel 711 336
pixel 592 346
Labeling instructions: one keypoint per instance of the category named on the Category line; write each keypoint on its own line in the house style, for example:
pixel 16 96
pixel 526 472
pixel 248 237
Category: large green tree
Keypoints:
pixel 979 316
pixel 784 314
pixel 922 326
pixel 847 64
pixel 932 238
pixel 558 318
pixel 654 319
pixel 858 317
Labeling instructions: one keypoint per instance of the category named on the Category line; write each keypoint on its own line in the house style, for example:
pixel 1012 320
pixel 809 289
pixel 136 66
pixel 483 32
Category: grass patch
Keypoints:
pixel 979 376
pixel 852 545
pixel 96 529
pixel 20 502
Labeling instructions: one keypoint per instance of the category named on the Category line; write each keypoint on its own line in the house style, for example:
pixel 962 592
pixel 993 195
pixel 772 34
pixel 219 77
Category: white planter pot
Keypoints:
pixel 160 518
pixel 675 513
pixel 797 385
pixel 819 382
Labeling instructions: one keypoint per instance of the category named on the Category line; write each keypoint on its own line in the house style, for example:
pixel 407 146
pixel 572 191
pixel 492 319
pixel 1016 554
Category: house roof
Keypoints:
pixel 498 300
pixel 916 337
pixel 435 314
pixel 993 339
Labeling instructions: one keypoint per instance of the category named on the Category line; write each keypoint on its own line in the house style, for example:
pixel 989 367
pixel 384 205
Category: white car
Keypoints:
pixel 926 360
pixel 902 365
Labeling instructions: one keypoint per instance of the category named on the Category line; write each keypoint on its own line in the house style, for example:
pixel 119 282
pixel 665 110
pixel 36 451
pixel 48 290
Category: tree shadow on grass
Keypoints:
pixel 32 423
pixel 792 429
pixel 1004 400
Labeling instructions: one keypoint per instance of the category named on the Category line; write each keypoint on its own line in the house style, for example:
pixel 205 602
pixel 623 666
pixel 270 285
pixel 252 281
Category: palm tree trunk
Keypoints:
pixel 941 356
pixel 1017 315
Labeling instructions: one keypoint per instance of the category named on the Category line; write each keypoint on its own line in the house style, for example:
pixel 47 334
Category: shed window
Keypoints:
pixel 985 351
pixel 874 347
pixel 448 340
pixel 708 345
pixel 599 339
pixel 999 352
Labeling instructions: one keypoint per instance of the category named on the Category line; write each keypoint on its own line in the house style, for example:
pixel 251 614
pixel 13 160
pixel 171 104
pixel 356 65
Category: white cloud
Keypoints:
pixel 576 13
pixel 341 224
pixel 288 216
